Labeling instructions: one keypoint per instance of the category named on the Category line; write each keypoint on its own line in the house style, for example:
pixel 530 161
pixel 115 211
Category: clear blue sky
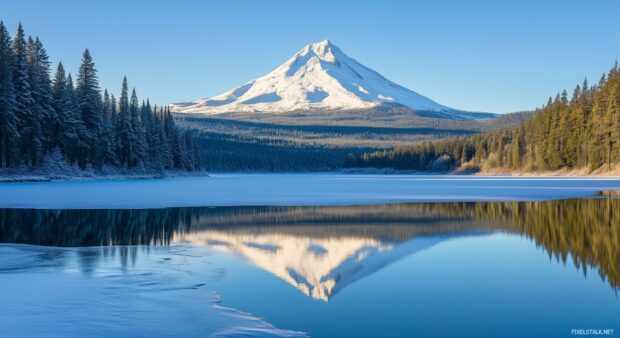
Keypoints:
pixel 496 56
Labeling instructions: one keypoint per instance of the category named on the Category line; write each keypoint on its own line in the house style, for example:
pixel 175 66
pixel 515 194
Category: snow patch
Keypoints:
pixel 361 89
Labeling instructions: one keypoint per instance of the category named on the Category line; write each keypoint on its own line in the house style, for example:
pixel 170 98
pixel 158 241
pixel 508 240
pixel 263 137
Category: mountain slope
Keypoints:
pixel 319 77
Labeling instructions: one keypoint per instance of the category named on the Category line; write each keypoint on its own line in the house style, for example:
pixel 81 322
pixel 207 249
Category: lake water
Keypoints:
pixel 447 269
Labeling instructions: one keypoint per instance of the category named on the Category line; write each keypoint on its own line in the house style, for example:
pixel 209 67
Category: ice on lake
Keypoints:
pixel 116 292
pixel 292 189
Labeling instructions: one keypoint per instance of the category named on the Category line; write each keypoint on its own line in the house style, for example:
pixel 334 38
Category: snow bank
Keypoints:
pixel 292 189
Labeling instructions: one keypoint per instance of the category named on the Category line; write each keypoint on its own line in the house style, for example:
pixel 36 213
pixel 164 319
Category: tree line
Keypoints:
pixel 44 118
pixel 577 132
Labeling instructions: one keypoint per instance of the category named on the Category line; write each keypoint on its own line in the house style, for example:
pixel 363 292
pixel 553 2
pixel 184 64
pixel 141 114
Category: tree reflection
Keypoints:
pixel 584 231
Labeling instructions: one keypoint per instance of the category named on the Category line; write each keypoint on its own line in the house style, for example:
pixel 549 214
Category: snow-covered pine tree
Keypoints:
pixel 9 135
pixel 188 150
pixel 76 130
pixel 40 117
pixel 124 130
pixel 173 138
pixel 41 91
pixel 70 126
pixel 60 104
pixel 153 127
pixel 113 125
pixel 89 102
pixel 23 97
pixel 140 146
pixel 107 131
pixel 164 142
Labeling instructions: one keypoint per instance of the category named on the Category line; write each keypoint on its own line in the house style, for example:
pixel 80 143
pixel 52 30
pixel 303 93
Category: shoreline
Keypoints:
pixel 168 176
pixel 614 173
pixel 97 177
pixel 93 176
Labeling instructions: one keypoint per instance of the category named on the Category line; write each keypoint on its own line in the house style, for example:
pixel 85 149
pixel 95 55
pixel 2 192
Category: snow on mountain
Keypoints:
pixel 318 77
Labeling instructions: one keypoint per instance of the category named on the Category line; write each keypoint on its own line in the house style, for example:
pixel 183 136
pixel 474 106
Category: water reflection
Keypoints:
pixel 318 266
pixel 321 250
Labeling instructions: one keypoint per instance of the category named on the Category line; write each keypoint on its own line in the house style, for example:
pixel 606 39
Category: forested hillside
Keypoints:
pixel 581 131
pixel 48 121
pixel 318 140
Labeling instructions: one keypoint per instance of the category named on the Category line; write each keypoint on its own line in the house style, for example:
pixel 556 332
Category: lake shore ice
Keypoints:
pixel 292 189
pixel 95 292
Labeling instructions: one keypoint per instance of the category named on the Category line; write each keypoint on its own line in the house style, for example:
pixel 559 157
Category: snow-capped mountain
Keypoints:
pixel 319 77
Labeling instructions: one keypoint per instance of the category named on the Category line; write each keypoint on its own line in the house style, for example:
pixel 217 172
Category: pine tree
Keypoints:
pixel 75 133
pixel 107 139
pixel 9 135
pixel 612 87
pixel 39 116
pixel 89 102
pixel 113 108
pixel 164 141
pixel 23 96
pixel 173 139
pixel 124 130
pixel 140 146
pixel 60 104
pixel 153 127
pixel 585 123
pixel 41 91
pixel 516 150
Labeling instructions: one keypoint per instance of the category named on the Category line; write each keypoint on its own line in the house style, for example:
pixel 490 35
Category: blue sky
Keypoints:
pixel 496 56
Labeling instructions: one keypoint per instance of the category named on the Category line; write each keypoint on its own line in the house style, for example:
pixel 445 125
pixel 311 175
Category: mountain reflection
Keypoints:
pixel 320 250
pixel 318 266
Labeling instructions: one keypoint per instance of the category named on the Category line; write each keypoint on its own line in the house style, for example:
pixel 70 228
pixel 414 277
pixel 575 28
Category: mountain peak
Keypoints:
pixel 323 44
pixel 324 50
pixel 319 77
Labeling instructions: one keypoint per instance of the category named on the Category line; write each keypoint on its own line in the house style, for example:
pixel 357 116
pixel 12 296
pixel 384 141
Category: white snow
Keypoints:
pixel 116 292
pixel 291 189
pixel 318 67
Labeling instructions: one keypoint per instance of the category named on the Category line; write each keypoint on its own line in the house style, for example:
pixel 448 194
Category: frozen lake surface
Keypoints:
pixel 117 292
pixel 292 189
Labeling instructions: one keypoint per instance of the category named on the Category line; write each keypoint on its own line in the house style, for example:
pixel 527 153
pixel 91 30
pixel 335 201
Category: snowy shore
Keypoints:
pixel 92 175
